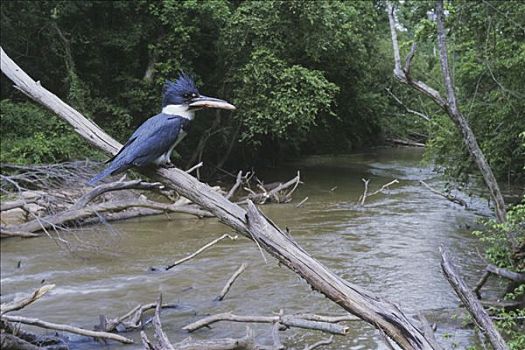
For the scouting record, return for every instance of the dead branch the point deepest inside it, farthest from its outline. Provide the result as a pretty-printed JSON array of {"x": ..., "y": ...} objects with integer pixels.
[
  {"x": 320, "y": 343},
  {"x": 277, "y": 326},
  {"x": 20, "y": 304},
  {"x": 386, "y": 340},
  {"x": 511, "y": 275},
  {"x": 195, "y": 167},
  {"x": 114, "y": 186},
  {"x": 447, "y": 196},
  {"x": 163, "y": 343},
  {"x": 45, "y": 176},
  {"x": 405, "y": 142},
  {"x": 471, "y": 303},
  {"x": 411, "y": 111},
  {"x": 329, "y": 319},
  {"x": 238, "y": 182},
  {"x": 69, "y": 216},
  {"x": 302, "y": 202},
  {"x": 161, "y": 337},
  {"x": 16, "y": 204},
  {"x": 132, "y": 320},
  {"x": 66, "y": 328},
  {"x": 8, "y": 233},
  {"x": 11, "y": 342},
  {"x": 274, "y": 194},
  {"x": 492, "y": 269},
  {"x": 200, "y": 250},
  {"x": 365, "y": 194},
  {"x": 251, "y": 223},
  {"x": 429, "y": 331},
  {"x": 286, "y": 320},
  {"x": 230, "y": 282}
]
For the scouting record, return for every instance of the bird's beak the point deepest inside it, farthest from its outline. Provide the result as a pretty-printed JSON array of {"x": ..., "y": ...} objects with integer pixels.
[{"x": 209, "y": 102}]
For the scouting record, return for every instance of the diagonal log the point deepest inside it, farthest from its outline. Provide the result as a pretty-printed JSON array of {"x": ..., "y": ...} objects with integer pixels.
[
  {"x": 472, "y": 304},
  {"x": 373, "y": 309}
]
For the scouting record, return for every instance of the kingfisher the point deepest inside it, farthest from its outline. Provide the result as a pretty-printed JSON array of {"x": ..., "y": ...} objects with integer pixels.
[{"x": 154, "y": 140}]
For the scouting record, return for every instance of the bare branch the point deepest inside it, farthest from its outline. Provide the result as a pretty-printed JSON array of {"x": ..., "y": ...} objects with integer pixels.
[
  {"x": 302, "y": 202},
  {"x": 162, "y": 338},
  {"x": 66, "y": 328},
  {"x": 400, "y": 74},
  {"x": 286, "y": 320},
  {"x": 52, "y": 221},
  {"x": 320, "y": 343},
  {"x": 230, "y": 282},
  {"x": 365, "y": 194},
  {"x": 471, "y": 303},
  {"x": 20, "y": 304},
  {"x": 419, "y": 114},
  {"x": 114, "y": 186},
  {"x": 238, "y": 182},
  {"x": 200, "y": 250},
  {"x": 447, "y": 196},
  {"x": 195, "y": 167}
]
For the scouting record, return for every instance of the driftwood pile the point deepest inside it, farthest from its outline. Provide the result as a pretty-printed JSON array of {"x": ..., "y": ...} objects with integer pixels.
[{"x": 44, "y": 200}]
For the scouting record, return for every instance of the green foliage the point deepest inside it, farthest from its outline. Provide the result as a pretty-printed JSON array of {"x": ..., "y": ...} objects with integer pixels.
[
  {"x": 486, "y": 44},
  {"x": 280, "y": 100},
  {"x": 44, "y": 140},
  {"x": 499, "y": 252},
  {"x": 288, "y": 65}
]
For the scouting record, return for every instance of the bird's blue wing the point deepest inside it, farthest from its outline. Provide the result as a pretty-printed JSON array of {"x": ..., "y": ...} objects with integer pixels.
[{"x": 152, "y": 139}]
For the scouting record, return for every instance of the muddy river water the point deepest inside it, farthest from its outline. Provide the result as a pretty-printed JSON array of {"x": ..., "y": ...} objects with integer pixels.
[{"x": 389, "y": 246}]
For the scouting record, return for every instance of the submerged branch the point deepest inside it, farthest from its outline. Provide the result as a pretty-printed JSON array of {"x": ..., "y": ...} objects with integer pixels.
[
  {"x": 230, "y": 282},
  {"x": 286, "y": 320},
  {"x": 20, "y": 304},
  {"x": 66, "y": 328},
  {"x": 447, "y": 196},
  {"x": 200, "y": 250}
]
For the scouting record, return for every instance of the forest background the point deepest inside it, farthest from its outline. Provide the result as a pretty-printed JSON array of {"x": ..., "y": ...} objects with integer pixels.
[{"x": 307, "y": 77}]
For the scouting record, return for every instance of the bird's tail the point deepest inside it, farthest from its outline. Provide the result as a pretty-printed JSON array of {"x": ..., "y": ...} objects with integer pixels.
[{"x": 110, "y": 170}]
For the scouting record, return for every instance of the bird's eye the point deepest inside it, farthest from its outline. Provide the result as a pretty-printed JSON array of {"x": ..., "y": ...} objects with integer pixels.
[{"x": 188, "y": 95}]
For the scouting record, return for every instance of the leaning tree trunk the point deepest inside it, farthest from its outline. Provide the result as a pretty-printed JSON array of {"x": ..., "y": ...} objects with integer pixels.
[
  {"x": 449, "y": 104},
  {"x": 251, "y": 223}
]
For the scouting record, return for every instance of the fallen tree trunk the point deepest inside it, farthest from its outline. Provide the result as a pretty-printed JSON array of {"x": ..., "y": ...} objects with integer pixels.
[
  {"x": 285, "y": 320},
  {"x": 373, "y": 309},
  {"x": 473, "y": 306}
]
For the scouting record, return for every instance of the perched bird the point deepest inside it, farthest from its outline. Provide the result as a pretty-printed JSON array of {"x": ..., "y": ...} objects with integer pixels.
[{"x": 155, "y": 139}]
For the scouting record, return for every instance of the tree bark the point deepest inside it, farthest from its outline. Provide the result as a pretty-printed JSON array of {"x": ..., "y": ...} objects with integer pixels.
[{"x": 373, "y": 309}]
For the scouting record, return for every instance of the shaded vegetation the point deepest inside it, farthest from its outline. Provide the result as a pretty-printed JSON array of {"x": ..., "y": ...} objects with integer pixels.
[{"x": 308, "y": 77}]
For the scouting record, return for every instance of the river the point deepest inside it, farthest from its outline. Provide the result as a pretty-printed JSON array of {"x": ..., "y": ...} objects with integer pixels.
[{"x": 389, "y": 246}]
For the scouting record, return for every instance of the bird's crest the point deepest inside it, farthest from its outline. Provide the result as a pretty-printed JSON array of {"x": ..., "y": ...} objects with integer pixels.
[{"x": 183, "y": 85}]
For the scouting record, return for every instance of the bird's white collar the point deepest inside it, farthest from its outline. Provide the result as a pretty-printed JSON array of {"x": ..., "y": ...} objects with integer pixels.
[{"x": 179, "y": 110}]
